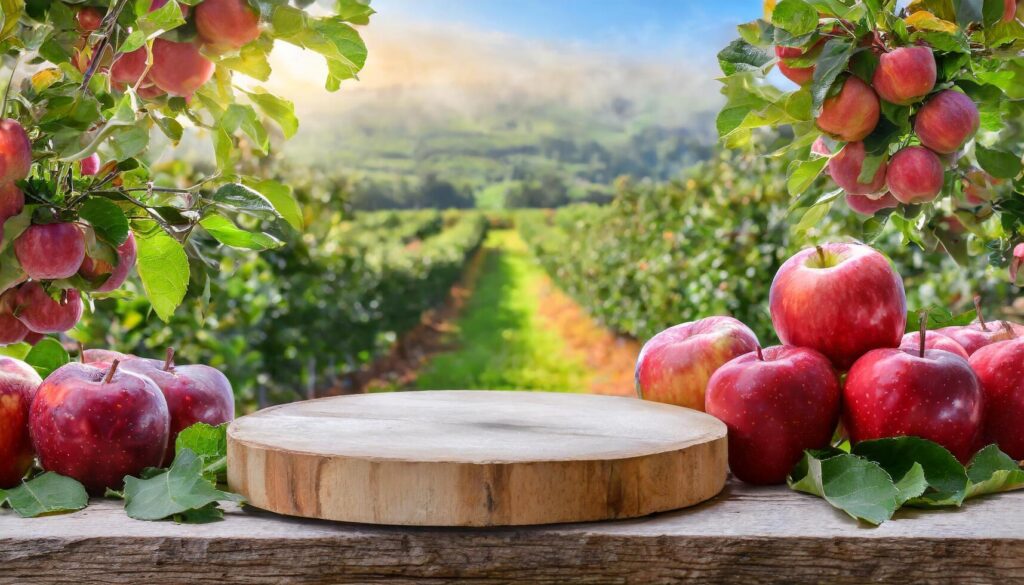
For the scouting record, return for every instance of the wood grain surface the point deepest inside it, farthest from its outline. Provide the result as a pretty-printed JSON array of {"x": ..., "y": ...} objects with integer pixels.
[
  {"x": 474, "y": 458},
  {"x": 744, "y": 535}
]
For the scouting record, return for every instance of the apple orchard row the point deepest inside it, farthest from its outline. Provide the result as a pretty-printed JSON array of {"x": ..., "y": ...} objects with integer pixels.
[
  {"x": 840, "y": 311},
  {"x": 51, "y": 249}
]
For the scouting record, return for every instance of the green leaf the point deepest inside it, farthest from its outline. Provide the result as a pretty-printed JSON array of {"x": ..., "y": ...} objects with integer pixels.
[
  {"x": 163, "y": 268},
  {"x": 992, "y": 471},
  {"x": 859, "y": 487},
  {"x": 354, "y": 11},
  {"x": 947, "y": 479},
  {"x": 49, "y": 493},
  {"x": 939, "y": 317},
  {"x": 911, "y": 485},
  {"x": 969, "y": 11},
  {"x": 107, "y": 219},
  {"x": 16, "y": 350},
  {"x": 803, "y": 173},
  {"x": 210, "y": 443},
  {"x": 998, "y": 163},
  {"x": 869, "y": 168},
  {"x": 244, "y": 118},
  {"x": 46, "y": 356},
  {"x": 834, "y": 58},
  {"x": 277, "y": 109},
  {"x": 179, "y": 490},
  {"x": 741, "y": 56},
  {"x": 238, "y": 196},
  {"x": 283, "y": 200},
  {"x": 795, "y": 16},
  {"x": 226, "y": 232}
]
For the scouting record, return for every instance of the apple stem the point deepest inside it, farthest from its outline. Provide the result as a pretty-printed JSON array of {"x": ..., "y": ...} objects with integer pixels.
[
  {"x": 923, "y": 324},
  {"x": 169, "y": 362},
  {"x": 1011, "y": 334},
  {"x": 113, "y": 370},
  {"x": 760, "y": 356},
  {"x": 977, "y": 309},
  {"x": 81, "y": 352},
  {"x": 821, "y": 255}
]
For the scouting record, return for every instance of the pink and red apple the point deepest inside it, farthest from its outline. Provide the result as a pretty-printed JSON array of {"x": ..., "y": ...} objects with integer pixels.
[
  {"x": 976, "y": 335},
  {"x": 179, "y": 68},
  {"x": 915, "y": 175},
  {"x": 89, "y": 19},
  {"x": 12, "y": 202},
  {"x": 947, "y": 121},
  {"x": 1000, "y": 370},
  {"x": 933, "y": 340},
  {"x": 227, "y": 24},
  {"x": 845, "y": 168},
  {"x": 852, "y": 114},
  {"x": 905, "y": 75},
  {"x": 92, "y": 270},
  {"x": 51, "y": 251},
  {"x": 842, "y": 300},
  {"x": 675, "y": 365},
  {"x": 776, "y": 404},
  {"x": 98, "y": 425},
  {"x": 15, "y": 152},
  {"x": 18, "y": 383},
  {"x": 865, "y": 205},
  {"x": 11, "y": 329},
  {"x": 979, "y": 187},
  {"x": 90, "y": 165},
  {"x": 41, "y": 313}
]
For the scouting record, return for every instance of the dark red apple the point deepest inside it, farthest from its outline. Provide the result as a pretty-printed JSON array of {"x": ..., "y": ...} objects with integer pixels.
[
  {"x": 675, "y": 365},
  {"x": 915, "y": 175},
  {"x": 933, "y": 340},
  {"x": 15, "y": 152},
  {"x": 851, "y": 114},
  {"x": 51, "y": 251},
  {"x": 1000, "y": 370},
  {"x": 12, "y": 202},
  {"x": 102, "y": 358},
  {"x": 18, "y": 383},
  {"x": 179, "y": 68},
  {"x": 227, "y": 24},
  {"x": 194, "y": 394},
  {"x": 976, "y": 335},
  {"x": 905, "y": 75},
  {"x": 845, "y": 168},
  {"x": 947, "y": 121},
  {"x": 42, "y": 314},
  {"x": 776, "y": 404},
  {"x": 93, "y": 270},
  {"x": 11, "y": 329},
  {"x": 98, "y": 425},
  {"x": 89, "y": 19},
  {"x": 865, "y": 205},
  {"x": 842, "y": 300}
]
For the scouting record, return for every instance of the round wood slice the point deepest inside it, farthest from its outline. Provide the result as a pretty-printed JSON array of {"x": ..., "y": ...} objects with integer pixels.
[{"x": 476, "y": 458}]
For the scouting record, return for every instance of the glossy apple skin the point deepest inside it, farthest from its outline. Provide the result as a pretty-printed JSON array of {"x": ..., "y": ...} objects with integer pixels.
[
  {"x": 194, "y": 394},
  {"x": 1000, "y": 370},
  {"x": 947, "y": 121},
  {"x": 774, "y": 409},
  {"x": 42, "y": 314},
  {"x": 102, "y": 358},
  {"x": 851, "y": 114},
  {"x": 92, "y": 270},
  {"x": 52, "y": 251},
  {"x": 864, "y": 205},
  {"x": 972, "y": 337},
  {"x": 905, "y": 75},
  {"x": 15, "y": 152},
  {"x": 915, "y": 175},
  {"x": 853, "y": 305},
  {"x": 11, "y": 329},
  {"x": 675, "y": 365},
  {"x": 179, "y": 68},
  {"x": 892, "y": 392},
  {"x": 933, "y": 340},
  {"x": 18, "y": 383},
  {"x": 98, "y": 432},
  {"x": 227, "y": 24},
  {"x": 844, "y": 168}
]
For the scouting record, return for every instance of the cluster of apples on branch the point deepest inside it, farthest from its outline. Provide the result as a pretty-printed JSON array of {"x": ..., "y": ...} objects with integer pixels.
[
  {"x": 108, "y": 416},
  {"x": 840, "y": 311}
]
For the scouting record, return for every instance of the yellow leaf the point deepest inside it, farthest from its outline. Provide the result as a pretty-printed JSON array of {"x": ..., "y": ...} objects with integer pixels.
[
  {"x": 45, "y": 78},
  {"x": 924, "y": 20},
  {"x": 769, "y": 8}
]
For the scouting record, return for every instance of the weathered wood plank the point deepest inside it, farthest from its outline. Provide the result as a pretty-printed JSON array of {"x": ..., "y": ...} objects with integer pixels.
[{"x": 746, "y": 535}]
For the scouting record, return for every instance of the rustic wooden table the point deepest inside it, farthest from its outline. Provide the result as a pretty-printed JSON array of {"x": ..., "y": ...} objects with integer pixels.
[{"x": 745, "y": 535}]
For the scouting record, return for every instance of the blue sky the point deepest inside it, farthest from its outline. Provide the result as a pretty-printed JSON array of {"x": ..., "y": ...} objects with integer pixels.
[{"x": 643, "y": 26}]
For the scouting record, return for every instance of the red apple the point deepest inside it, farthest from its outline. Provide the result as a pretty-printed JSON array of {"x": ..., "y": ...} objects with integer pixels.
[
  {"x": 865, "y": 205},
  {"x": 845, "y": 169},
  {"x": 915, "y": 175},
  {"x": 776, "y": 404},
  {"x": 1009, "y": 10},
  {"x": 51, "y": 251},
  {"x": 98, "y": 425},
  {"x": 93, "y": 270},
  {"x": 798, "y": 75},
  {"x": 15, "y": 152},
  {"x": 90, "y": 165},
  {"x": 227, "y": 24},
  {"x": 42, "y": 314},
  {"x": 33, "y": 338},
  {"x": 104, "y": 357},
  {"x": 1000, "y": 370},
  {"x": 194, "y": 394},
  {"x": 947, "y": 121},
  {"x": 979, "y": 187},
  {"x": 976, "y": 335},
  {"x": 179, "y": 68},
  {"x": 12, "y": 202},
  {"x": 675, "y": 365},
  {"x": 1016, "y": 261},
  {"x": 89, "y": 19},
  {"x": 11, "y": 329},
  {"x": 852, "y": 114},
  {"x": 842, "y": 300},
  {"x": 18, "y": 383},
  {"x": 905, "y": 75},
  {"x": 128, "y": 67},
  {"x": 933, "y": 395},
  {"x": 933, "y": 340}
]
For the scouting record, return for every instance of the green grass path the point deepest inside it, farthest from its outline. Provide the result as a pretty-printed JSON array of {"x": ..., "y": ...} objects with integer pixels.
[{"x": 502, "y": 345}]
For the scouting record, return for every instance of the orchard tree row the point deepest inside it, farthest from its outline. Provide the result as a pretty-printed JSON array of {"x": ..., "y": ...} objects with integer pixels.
[
  {"x": 915, "y": 113},
  {"x": 88, "y": 83}
]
